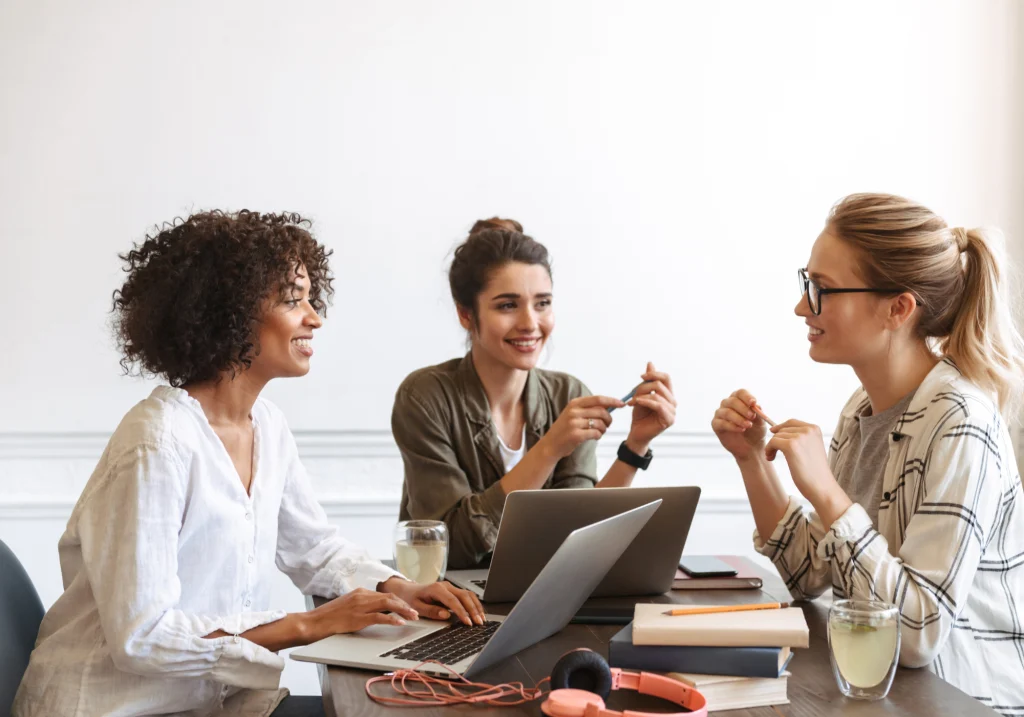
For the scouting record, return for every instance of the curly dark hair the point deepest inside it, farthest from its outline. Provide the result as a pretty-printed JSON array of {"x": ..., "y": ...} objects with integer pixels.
[{"x": 195, "y": 289}]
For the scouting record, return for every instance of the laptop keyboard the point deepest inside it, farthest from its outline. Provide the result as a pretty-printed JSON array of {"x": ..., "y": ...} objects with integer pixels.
[{"x": 447, "y": 646}]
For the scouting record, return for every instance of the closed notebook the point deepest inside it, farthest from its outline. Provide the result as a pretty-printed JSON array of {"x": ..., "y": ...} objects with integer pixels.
[
  {"x": 737, "y": 693},
  {"x": 783, "y": 627},
  {"x": 746, "y": 577},
  {"x": 734, "y": 661}
]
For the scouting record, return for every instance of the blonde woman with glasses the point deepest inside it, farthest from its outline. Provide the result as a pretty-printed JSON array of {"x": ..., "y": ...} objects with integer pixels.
[{"x": 917, "y": 501}]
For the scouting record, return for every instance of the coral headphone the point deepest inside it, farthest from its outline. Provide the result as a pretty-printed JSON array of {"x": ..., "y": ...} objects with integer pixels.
[{"x": 581, "y": 681}]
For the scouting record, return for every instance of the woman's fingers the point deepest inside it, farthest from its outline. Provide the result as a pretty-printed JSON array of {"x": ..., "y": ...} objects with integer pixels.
[
  {"x": 740, "y": 408},
  {"x": 596, "y": 401},
  {"x": 778, "y": 444},
  {"x": 443, "y": 595},
  {"x": 660, "y": 405},
  {"x": 590, "y": 428},
  {"x": 596, "y": 413},
  {"x": 651, "y": 374},
  {"x": 731, "y": 416},
  {"x": 379, "y": 618},
  {"x": 719, "y": 425},
  {"x": 472, "y": 604},
  {"x": 745, "y": 396},
  {"x": 389, "y": 601},
  {"x": 656, "y": 387}
]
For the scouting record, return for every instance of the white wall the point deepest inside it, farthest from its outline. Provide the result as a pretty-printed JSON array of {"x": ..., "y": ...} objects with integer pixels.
[{"x": 677, "y": 159}]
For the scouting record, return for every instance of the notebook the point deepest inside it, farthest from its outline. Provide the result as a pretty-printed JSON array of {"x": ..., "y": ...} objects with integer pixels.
[
  {"x": 736, "y": 693},
  {"x": 732, "y": 661},
  {"x": 746, "y": 577},
  {"x": 783, "y": 627}
]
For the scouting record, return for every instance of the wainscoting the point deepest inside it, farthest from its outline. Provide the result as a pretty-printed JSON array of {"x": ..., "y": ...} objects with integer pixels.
[{"x": 358, "y": 476}]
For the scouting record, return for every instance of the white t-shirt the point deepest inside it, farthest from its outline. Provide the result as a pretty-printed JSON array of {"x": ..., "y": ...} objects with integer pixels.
[
  {"x": 511, "y": 457},
  {"x": 163, "y": 547}
]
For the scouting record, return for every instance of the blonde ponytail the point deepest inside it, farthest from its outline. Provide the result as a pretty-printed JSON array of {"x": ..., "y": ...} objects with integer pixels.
[
  {"x": 958, "y": 278},
  {"x": 983, "y": 342}
]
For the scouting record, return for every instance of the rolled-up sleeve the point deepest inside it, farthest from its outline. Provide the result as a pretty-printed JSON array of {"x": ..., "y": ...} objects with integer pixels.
[
  {"x": 129, "y": 538},
  {"x": 793, "y": 548},
  {"x": 579, "y": 468},
  {"x": 312, "y": 552},
  {"x": 931, "y": 576}
]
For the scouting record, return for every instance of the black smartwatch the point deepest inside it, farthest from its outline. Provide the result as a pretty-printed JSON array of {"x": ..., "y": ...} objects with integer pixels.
[{"x": 632, "y": 459}]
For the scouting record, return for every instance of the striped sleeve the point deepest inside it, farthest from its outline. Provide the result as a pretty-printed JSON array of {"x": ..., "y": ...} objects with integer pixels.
[
  {"x": 793, "y": 549},
  {"x": 959, "y": 507}
]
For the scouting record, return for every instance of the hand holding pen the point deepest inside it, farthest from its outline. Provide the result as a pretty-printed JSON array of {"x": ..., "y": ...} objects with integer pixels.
[
  {"x": 654, "y": 408},
  {"x": 741, "y": 425}
]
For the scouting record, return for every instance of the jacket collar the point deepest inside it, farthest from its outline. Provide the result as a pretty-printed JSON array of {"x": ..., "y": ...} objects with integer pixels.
[
  {"x": 478, "y": 411},
  {"x": 911, "y": 422}
]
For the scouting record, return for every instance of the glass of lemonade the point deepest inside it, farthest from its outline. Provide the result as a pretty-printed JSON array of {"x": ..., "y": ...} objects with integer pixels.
[
  {"x": 864, "y": 643},
  {"x": 421, "y": 550}
]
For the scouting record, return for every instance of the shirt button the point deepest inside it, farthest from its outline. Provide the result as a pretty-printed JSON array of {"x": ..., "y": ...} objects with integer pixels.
[
  {"x": 248, "y": 603},
  {"x": 248, "y": 516},
  {"x": 251, "y": 558}
]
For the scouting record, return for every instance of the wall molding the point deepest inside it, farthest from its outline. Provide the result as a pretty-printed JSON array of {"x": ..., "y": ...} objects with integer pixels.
[
  {"x": 321, "y": 444},
  {"x": 60, "y": 461},
  {"x": 30, "y": 507}
]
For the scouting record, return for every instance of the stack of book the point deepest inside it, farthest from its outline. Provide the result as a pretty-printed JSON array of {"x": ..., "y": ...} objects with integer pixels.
[{"x": 735, "y": 659}]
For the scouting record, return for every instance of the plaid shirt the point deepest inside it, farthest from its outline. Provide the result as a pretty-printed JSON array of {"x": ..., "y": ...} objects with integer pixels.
[{"x": 949, "y": 548}]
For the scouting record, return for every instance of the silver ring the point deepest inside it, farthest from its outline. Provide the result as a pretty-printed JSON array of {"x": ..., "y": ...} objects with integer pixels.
[{"x": 590, "y": 423}]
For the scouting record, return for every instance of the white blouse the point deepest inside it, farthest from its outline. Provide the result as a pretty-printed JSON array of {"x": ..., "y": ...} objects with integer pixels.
[{"x": 163, "y": 547}]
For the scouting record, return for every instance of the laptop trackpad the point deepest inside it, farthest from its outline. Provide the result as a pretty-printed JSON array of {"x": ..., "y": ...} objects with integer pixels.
[
  {"x": 381, "y": 637},
  {"x": 394, "y": 633}
]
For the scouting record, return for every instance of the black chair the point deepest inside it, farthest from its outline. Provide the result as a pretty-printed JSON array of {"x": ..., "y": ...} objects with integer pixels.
[{"x": 21, "y": 612}]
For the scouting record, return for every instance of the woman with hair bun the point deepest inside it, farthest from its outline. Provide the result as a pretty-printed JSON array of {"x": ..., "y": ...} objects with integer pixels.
[{"x": 474, "y": 429}]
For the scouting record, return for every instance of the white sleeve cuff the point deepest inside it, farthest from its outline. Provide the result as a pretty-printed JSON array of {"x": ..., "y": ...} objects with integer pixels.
[
  {"x": 368, "y": 574},
  {"x": 240, "y": 662},
  {"x": 241, "y": 622}
]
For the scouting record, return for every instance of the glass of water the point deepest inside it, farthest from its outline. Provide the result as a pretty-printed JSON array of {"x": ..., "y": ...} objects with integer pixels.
[
  {"x": 864, "y": 643},
  {"x": 421, "y": 550}
]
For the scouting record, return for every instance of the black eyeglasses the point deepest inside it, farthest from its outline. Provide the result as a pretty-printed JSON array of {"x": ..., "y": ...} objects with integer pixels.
[{"x": 814, "y": 292}]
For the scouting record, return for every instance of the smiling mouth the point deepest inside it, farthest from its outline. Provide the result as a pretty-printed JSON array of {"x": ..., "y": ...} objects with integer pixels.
[
  {"x": 525, "y": 345},
  {"x": 304, "y": 346}
]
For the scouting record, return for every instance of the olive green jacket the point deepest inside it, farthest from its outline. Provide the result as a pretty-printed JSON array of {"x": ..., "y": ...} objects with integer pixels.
[{"x": 442, "y": 423}]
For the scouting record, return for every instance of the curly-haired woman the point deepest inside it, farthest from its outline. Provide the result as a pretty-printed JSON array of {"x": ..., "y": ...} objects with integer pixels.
[{"x": 200, "y": 495}]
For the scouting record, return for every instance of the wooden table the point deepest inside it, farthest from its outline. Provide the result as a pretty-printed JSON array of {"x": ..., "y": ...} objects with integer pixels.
[{"x": 812, "y": 689}]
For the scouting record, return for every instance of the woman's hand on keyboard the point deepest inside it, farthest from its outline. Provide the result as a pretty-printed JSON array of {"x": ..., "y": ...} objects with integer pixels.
[
  {"x": 355, "y": 610},
  {"x": 438, "y": 600}
]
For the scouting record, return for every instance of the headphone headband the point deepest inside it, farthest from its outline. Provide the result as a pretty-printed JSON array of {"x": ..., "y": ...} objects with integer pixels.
[{"x": 564, "y": 701}]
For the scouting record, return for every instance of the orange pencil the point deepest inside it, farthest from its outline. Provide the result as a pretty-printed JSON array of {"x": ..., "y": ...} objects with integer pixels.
[
  {"x": 726, "y": 608},
  {"x": 757, "y": 409}
]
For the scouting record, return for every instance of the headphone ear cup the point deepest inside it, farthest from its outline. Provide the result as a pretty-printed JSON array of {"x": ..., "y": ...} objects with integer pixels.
[{"x": 582, "y": 670}]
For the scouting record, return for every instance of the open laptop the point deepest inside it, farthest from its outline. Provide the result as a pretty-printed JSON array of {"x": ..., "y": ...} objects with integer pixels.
[
  {"x": 535, "y": 522},
  {"x": 545, "y": 608}
]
